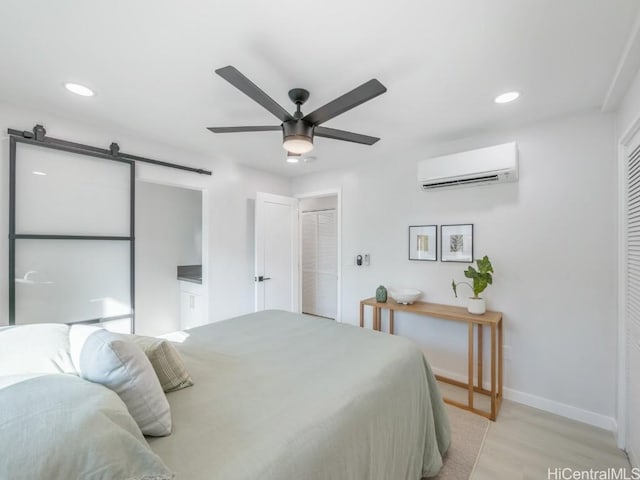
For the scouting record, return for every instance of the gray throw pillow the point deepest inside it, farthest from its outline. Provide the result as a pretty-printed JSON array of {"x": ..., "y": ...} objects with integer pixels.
[{"x": 166, "y": 362}]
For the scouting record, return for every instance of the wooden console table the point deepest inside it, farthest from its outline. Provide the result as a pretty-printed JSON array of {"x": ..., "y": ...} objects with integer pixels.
[{"x": 493, "y": 320}]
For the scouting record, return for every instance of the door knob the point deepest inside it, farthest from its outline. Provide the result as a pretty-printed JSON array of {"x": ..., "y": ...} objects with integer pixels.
[{"x": 261, "y": 278}]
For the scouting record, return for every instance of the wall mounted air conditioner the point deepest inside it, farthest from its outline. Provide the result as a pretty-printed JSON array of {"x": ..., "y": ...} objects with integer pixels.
[{"x": 497, "y": 164}]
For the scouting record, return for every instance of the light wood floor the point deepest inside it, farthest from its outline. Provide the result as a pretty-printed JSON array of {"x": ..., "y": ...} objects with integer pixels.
[{"x": 524, "y": 442}]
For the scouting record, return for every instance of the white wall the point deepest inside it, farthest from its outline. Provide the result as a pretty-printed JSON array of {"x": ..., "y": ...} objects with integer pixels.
[
  {"x": 551, "y": 238},
  {"x": 228, "y": 206},
  {"x": 168, "y": 234},
  {"x": 629, "y": 108}
]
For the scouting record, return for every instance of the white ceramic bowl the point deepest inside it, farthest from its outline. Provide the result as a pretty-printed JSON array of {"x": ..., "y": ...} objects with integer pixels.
[{"x": 405, "y": 295}]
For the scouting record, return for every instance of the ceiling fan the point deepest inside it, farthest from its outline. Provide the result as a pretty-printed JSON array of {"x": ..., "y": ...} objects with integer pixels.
[{"x": 298, "y": 130}]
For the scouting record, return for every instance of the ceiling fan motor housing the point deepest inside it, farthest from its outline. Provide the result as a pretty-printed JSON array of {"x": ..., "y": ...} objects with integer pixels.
[{"x": 297, "y": 130}]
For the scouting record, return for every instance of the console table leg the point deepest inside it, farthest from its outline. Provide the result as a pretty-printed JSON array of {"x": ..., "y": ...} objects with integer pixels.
[
  {"x": 391, "y": 321},
  {"x": 500, "y": 360},
  {"x": 361, "y": 315},
  {"x": 480, "y": 354},
  {"x": 470, "y": 382},
  {"x": 493, "y": 372}
]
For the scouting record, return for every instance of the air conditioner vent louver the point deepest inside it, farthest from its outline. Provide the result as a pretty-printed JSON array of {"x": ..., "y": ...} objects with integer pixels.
[
  {"x": 466, "y": 181},
  {"x": 490, "y": 165}
]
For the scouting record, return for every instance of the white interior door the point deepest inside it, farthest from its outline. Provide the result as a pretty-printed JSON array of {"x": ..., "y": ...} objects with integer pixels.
[
  {"x": 276, "y": 252},
  {"x": 319, "y": 263}
]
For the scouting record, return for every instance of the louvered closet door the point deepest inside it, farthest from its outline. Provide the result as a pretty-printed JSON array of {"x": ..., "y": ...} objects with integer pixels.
[
  {"x": 633, "y": 298},
  {"x": 319, "y": 263},
  {"x": 309, "y": 250}
]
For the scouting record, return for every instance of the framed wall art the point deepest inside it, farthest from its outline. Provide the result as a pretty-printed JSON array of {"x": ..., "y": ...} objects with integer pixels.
[
  {"x": 423, "y": 242},
  {"x": 456, "y": 243}
]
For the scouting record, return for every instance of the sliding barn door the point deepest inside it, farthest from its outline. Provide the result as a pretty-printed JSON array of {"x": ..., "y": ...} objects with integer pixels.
[
  {"x": 632, "y": 310},
  {"x": 319, "y": 263},
  {"x": 71, "y": 237}
]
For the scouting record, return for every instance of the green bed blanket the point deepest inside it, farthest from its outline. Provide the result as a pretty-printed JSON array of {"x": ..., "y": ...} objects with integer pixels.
[{"x": 284, "y": 396}]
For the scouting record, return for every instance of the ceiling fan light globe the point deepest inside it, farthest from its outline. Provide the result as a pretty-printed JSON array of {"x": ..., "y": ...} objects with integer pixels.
[{"x": 297, "y": 144}]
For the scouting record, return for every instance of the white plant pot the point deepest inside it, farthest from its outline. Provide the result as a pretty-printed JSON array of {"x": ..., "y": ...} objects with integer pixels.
[{"x": 476, "y": 306}]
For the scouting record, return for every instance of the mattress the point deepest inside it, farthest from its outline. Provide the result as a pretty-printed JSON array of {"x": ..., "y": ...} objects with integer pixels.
[{"x": 279, "y": 395}]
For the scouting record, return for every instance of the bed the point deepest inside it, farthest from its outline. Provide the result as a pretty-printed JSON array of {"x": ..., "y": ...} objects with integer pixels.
[
  {"x": 274, "y": 396},
  {"x": 279, "y": 395}
]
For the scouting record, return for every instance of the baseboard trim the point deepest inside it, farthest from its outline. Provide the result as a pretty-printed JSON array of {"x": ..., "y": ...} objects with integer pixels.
[
  {"x": 562, "y": 409},
  {"x": 548, "y": 405}
]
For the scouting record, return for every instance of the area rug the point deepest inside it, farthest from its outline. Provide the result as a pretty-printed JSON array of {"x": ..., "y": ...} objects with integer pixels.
[{"x": 468, "y": 432}]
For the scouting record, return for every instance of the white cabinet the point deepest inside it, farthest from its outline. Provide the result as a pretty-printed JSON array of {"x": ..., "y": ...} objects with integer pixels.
[{"x": 192, "y": 307}]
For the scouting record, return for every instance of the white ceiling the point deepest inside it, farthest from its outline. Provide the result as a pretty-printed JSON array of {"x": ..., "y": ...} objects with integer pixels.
[{"x": 151, "y": 63}]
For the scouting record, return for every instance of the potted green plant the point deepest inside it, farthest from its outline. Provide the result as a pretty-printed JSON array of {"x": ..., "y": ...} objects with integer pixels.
[{"x": 481, "y": 278}]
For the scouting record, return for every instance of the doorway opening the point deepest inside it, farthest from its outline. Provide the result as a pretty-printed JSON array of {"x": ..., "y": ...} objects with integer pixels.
[
  {"x": 171, "y": 293},
  {"x": 320, "y": 254}
]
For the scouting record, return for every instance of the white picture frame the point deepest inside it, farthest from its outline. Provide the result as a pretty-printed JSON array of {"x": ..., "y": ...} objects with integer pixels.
[{"x": 456, "y": 243}]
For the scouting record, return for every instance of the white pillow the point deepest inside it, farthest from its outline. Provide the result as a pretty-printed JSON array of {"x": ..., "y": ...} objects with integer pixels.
[
  {"x": 104, "y": 357},
  {"x": 37, "y": 348}
]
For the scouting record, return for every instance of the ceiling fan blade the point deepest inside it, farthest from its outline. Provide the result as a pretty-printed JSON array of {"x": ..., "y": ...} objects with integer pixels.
[
  {"x": 246, "y": 86},
  {"x": 344, "y": 135},
  {"x": 355, "y": 97},
  {"x": 266, "y": 128}
]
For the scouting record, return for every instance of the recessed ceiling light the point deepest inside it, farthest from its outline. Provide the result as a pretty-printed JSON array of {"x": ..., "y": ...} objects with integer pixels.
[
  {"x": 507, "y": 97},
  {"x": 35, "y": 172},
  {"x": 79, "y": 89}
]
